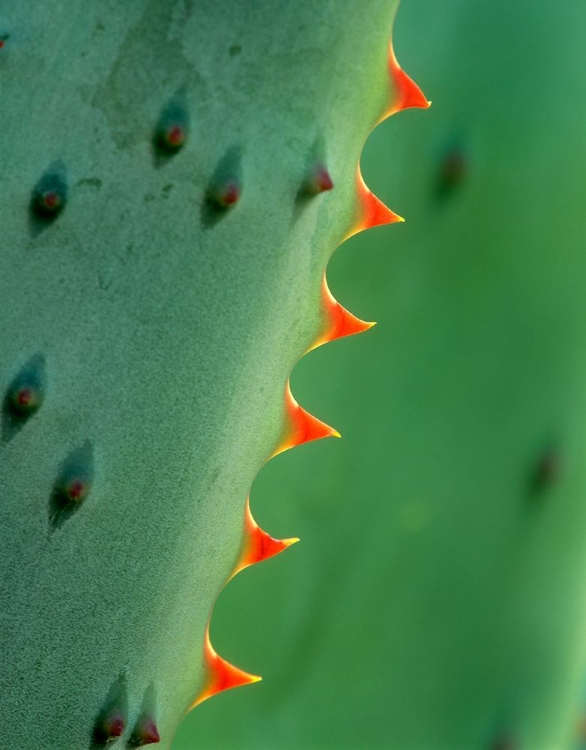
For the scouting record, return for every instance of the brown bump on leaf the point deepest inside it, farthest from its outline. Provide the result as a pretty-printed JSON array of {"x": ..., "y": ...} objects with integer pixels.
[
  {"x": 110, "y": 722},
  {"x": 145, "y": 732},
  {"x": 72, "y": 486},
  {"x": 24, "y": 396},
  {"x": 224, "y": 190},
  {"x": 50, "y": 193},
  {"x": 317, "y": 181},
  {"x": 226, "y": 195},
  {"x": 112, "y": 726},
  {"x": 172, "y": 128}
]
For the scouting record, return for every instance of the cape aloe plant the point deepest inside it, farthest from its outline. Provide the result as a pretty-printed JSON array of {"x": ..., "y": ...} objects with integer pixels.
[
  {"x": 174, "y": 177},
  {"x": 439, "y": 600}
]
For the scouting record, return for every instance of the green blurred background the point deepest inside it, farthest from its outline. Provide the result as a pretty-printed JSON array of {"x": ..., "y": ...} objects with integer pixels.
[{"x": 437, "y": 598}]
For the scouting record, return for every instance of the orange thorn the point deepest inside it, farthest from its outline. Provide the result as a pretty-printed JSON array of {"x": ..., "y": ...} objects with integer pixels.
[
  {"x": 221, "y": 675},
  {"x": 302, "y": 427},
  {"x": 258, "y": 545},
  {"x": 372, "y": 211},
  {"x": 339, "y": 321},
  {"x": 406, "y": 93}
]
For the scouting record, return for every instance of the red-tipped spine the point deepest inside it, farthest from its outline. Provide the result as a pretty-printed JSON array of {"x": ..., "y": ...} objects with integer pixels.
[
  {"x": 406, "y": 93},
  {"x": 372, "y": 212},
  {"x": 301, "y": 426},
  {"x": 339, "y": 322},
  {"x": 258, "y": 545},
  {"x": 220, "y": 674}
]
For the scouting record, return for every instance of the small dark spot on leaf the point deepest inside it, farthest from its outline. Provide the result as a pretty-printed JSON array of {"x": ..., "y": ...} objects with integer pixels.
[{"x": 93, "y": 182}]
